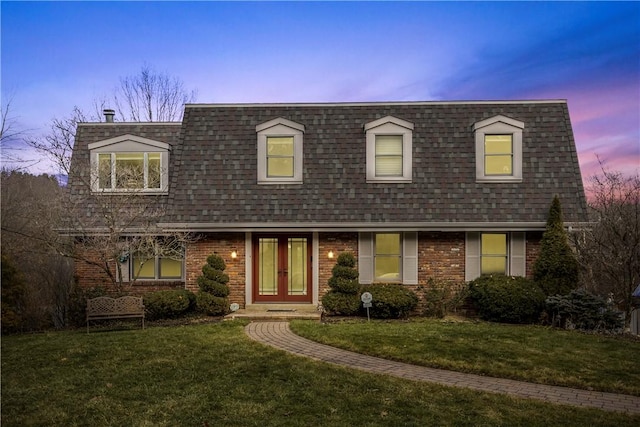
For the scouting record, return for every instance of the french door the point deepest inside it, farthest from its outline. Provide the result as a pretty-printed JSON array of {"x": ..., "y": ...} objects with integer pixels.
[{"x": 282, "y": 268}]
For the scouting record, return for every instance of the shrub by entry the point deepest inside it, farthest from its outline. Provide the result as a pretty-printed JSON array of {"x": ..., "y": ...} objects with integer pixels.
[
  {"x": 391, "y": 301},
  {"x": 168, "y": 304},
  {"x": 343, "y": 298},
  {"x": 212, "y": 297}
]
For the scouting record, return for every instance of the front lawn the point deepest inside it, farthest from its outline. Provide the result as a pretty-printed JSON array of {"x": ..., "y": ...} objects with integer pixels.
[
  {"x": 213, "y": 375},
  {"x": 529, "y": 353}
]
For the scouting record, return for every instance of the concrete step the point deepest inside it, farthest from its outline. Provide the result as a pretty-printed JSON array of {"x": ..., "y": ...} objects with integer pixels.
[{"x": 276, "y": 312}]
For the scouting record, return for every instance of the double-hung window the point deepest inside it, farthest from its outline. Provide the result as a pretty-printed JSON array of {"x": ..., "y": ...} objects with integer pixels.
[
  {"x": 390, "y": 257},
  {"x": 389, "y": 150},
  {"x": 495, "y": 252},
  {"x": 280, "y": 152},
  {"x": 129, "y": 163},
  {"x": 498, "y": 144}
]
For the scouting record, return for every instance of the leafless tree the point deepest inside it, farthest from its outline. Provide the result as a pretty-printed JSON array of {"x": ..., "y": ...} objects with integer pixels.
[
  {"x": 151, "y": 96},
  {"x": 609, "y": 250}
]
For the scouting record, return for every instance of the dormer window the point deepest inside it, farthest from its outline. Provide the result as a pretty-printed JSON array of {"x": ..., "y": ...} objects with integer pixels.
[
  {"x": 389, "y": 150},
  {"x": 129, "y": 163},
  {"x": 498, "y": 143},
  {"x": 280, "y": 152}
]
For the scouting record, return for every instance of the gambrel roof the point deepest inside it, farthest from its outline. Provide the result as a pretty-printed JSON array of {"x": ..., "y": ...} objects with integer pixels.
[{"x": 213, "y": 167}]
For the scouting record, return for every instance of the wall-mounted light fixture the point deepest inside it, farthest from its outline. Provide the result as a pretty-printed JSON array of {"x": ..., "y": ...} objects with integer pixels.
[
  {"x": 234, "y": 255},
  {"x": 330, "y": 254}
]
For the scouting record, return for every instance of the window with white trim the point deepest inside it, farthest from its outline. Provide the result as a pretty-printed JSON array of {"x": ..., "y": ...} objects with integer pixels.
[
  {"x": 280, "y": 152},
  {"x": 498, "y": 143},
  {"x": 494, "y": 252},
  {"x": 389, "y": 143},
  {"x": 390, "y": 257},
  {"x": 129, "y": 163}
]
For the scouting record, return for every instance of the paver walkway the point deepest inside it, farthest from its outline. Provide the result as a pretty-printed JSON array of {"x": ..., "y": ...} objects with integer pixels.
[{"x": 278, "y": 334}]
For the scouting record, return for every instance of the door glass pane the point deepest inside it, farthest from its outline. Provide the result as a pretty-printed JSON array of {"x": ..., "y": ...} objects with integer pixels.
[
  {"x": 129, "y": 170},
  {"x": 494, "y": 253},
  {"x": 268, "y": 266},
  {"x": 297, "y": 277}
]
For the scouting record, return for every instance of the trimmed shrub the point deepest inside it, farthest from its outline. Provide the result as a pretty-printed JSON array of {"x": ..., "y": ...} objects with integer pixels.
[
  {"x": 341, "y": 304},
  {"x": 442, "y": 297},
  {"x": 556, "y": 268},
  {"x": 583, "y": 310},
  {"x": 391, "y": 301},
  {"x": 169, "y": 304},
  {"x": 344, "y": 272},
  {"x": 345, "y": 286},
  {"x": 508, "y": 299},
  {"x": 211, "y": 305},
  {"x": 346, "y": 259},
  {"x": 344, "y": 277},
  {"x": 212, "y": 297}
]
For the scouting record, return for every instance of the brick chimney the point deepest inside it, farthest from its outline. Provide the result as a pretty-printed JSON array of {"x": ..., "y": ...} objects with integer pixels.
[{"x": 108, "y": 115}]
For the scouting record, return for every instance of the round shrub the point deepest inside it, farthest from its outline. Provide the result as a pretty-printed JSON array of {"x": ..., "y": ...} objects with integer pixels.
[
  {"x": 211, "y": 305},
  {"x": 216, "y": 262},
  {"x": 391, "y": 301},
  {"x": 168, "y": 304},
  {"x": 214, "y": 288},
  {"x": 341, "y": 304},
  {"x": 344, "y": 272},
  {"x": 346, "y": 259},
  {"x": 345, "y": 286},
  {"x": 215, "y": 275},
  {"x": 508, "y": 299}
]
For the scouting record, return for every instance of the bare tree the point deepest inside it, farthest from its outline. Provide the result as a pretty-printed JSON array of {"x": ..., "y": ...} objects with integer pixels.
[
  {"x": 609, "y": 250},
  {"x": 11, "y": 138},
  {"x": 151, "y": 96}
]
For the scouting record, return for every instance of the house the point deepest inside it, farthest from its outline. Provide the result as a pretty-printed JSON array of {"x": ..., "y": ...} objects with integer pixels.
[{"x": 416, "y": 190}]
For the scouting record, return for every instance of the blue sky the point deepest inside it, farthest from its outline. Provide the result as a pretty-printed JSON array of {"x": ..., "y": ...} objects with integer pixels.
[{"x": 56, "y": 55}]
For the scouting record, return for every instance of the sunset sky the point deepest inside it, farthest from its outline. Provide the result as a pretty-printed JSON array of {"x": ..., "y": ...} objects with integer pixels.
[{"x": 57, "y": 55}]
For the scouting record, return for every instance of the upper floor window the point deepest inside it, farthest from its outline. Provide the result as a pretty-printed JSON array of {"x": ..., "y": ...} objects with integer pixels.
[
  {"x": 498, "y": 143},
  {"x": 389, "y": 150},
  {"x": 129, "y": 163},
  {"x": 280, "y": 152}
]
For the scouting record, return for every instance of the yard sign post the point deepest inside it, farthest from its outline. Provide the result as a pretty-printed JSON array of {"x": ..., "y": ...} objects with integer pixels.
[{"x": 366, "y": 302}]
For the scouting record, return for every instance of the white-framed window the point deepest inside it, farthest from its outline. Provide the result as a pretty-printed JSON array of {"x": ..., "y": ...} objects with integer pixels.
[
  {"x": 280, "y": 152},
  {"x": 388, "y": 257},
  {"x": 494, "y": 252},
  {"x": 498, "y": 144},
  {"x": 129, "y": 163},
  {"x": 389, "y": 142},
  {"x": 156, "y": 268}
]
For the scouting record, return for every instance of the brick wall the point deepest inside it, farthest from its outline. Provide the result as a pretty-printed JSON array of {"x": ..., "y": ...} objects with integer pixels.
[
  {"x": 338, "y": 243},
  {"x": 533, "y": 250},
  {"x": 222, "y": 244},
  {"x": 441, "y": 256}
]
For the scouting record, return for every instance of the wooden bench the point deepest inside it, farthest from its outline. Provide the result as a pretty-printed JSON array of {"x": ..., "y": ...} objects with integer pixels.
[{"x": 103, "y": 308}]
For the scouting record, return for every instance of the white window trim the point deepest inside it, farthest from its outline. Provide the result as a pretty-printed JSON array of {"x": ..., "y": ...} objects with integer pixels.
[
  {"x": 389, "y": 126},
  {"x": 499, "y": 125},
  {"x": 280, "y": 127},
  {"x": 129, "y": 144}
]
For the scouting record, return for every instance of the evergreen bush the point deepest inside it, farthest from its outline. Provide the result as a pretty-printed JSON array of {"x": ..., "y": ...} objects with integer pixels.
[
  {"x": 212, "y": 296},
  {"x": 391, "y": 301},
  {"x": 508, "y": 299},
  {"x": 556, "y": 268},
  {"x": 343, "y": 298},
  {"x": 169, "y": 304},
  {"x": 582, "y": 310}
]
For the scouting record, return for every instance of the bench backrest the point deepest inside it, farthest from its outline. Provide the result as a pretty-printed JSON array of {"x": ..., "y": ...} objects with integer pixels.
[{"x": 108, "y": 305}]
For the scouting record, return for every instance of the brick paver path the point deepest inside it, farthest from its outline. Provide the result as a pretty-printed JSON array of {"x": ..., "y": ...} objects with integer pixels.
[{"x": 278, "y": 334}]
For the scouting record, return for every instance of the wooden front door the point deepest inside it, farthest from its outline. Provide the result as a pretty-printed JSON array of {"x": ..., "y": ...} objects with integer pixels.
[{"x": 282, "y": 268}]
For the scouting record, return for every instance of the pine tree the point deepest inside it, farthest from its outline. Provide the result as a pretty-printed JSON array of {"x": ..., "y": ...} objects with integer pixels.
[{"x": 556, "y": 268}]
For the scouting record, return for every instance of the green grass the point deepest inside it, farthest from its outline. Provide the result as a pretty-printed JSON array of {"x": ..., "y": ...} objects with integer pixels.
[
  {"x": 530, "y": 353},
  {"x": 213, "y": 374}
]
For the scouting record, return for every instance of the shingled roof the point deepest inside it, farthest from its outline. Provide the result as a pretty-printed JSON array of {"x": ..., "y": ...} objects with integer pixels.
[{"x": 213, "y": 177}]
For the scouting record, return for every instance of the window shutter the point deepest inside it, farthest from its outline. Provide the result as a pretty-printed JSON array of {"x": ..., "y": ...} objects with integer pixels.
[
  {"x": 518, "y": 255},
  {"x": 410, "y": 258},
  {"x": 124, "y": 270},
  {"x": 472, "y": 256},
  {"x": 365, "y": 257}
]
